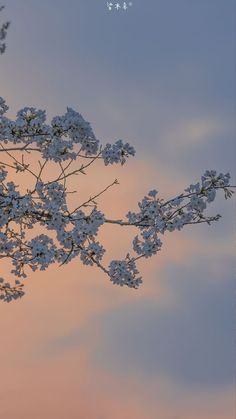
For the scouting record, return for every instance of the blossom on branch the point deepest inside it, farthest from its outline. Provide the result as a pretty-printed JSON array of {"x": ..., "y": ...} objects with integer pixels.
[{"x": 69, "y": 233}]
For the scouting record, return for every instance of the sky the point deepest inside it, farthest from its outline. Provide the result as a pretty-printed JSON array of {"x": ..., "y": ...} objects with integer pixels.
[{"x": 160, "y": 75}]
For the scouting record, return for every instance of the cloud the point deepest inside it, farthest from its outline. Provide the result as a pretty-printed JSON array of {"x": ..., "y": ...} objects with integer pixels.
[
  {"x": 194, "y": 131},
  {"x": 190, "y": 341}
]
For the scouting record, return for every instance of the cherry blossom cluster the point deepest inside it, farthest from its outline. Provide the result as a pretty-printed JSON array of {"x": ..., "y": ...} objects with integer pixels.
[
  {"x": 3, "y": 34},
  {"x": 118, "y": 152},
  {"x": 156, "y": 216},
  {"x": 10, "y": 293},
  {"x": 125, "y": 272},
  {"x": 67, "y": 233},
  {"x": 58, "y": 141}
]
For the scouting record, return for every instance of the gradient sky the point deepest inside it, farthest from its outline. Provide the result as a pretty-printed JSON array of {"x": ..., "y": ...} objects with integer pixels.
[{"x": 161, "y": 76}]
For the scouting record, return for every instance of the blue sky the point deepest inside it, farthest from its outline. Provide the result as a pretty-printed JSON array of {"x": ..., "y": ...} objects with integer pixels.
[{"x": 150, "y": 74}]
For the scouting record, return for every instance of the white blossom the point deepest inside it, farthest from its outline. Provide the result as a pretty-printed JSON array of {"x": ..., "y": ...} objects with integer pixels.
[
  {"x": 117, "y": 153},
  {"x": 124, "y": 272},
  {"x": 67, "y": 234},
  {"x": 3, "y": 32}
]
